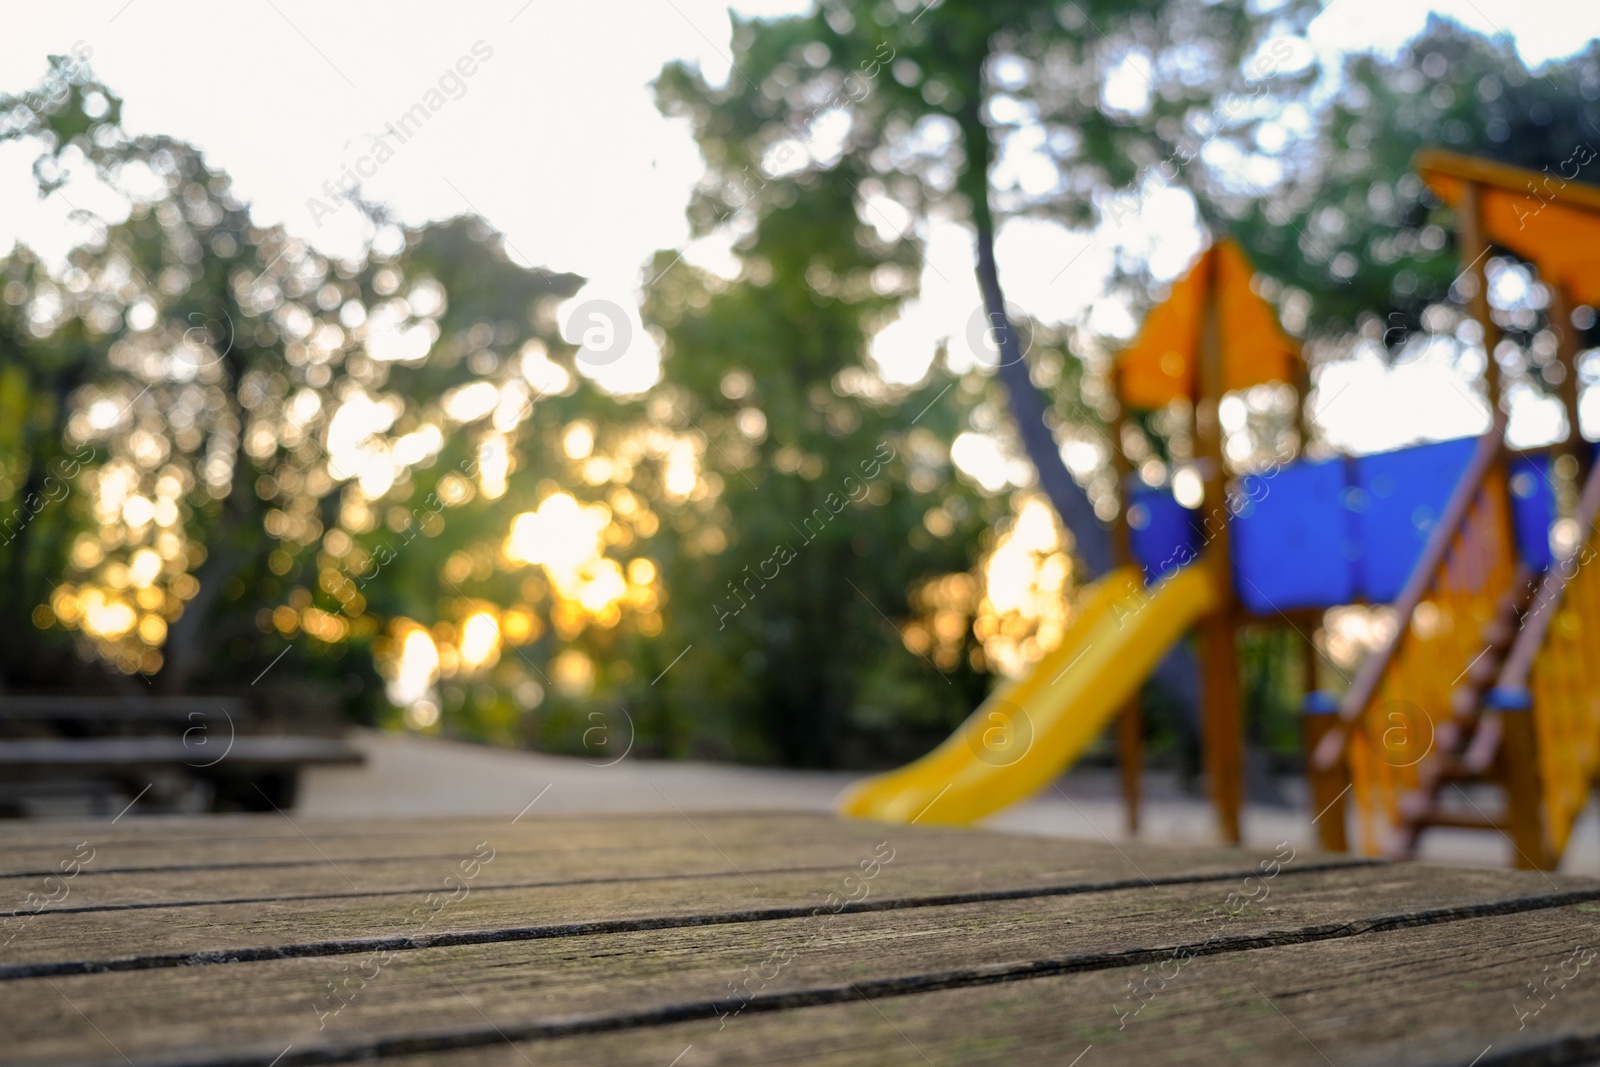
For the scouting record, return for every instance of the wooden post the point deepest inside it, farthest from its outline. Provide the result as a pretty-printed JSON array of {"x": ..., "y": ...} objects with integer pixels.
[
  {"x": 1130, "y": 738},
  {"x": 1222, "y": 730},
  {"x": 1519, "y": 753},
  {"x": 1329, "y": 788},
  {"x": 1519, "y": 771},
  {"x": 1308, "y": 637},
  {"x": 1475, "y": 254},
  {"x": 1567, "y": 356},
  {"x": 1130, "y": 759},
  {"x": 1121, "y": 535},
  {"x": 1302, "y": 390}
]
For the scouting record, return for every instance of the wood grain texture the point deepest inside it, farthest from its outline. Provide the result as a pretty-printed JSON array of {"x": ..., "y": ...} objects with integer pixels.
[
  {"x": 1431, "y": 995},
  {"x": 547, "y": 981},
  {"x": 258, "y": 863},
  {"x": 268, "y": 840},
  {"x": 626, "y": 939}
]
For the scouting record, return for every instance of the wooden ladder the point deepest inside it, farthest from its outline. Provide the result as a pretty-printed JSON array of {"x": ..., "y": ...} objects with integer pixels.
[
  {"x": 1539, "y": 731},
  {"x": 1523, "y": 713},
  {"x": 1411, "y": 721},
  {"x": 1470, "y": 748}
]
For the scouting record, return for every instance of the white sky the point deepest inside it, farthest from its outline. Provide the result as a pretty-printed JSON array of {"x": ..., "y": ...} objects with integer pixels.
[{"x": 556, "y": 139}]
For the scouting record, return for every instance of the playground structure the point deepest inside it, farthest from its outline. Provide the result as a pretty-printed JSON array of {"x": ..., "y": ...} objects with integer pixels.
[{"x": 1491, "y": 674}]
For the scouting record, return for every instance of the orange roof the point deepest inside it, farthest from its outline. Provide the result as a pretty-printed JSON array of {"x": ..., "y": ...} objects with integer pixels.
[
  {"x": 1160, "y": 364},
  {"x": 1541, "y": 216}
]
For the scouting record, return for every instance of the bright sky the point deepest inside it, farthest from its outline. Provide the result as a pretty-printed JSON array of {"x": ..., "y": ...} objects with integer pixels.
[{"x": 554, "y": 136}]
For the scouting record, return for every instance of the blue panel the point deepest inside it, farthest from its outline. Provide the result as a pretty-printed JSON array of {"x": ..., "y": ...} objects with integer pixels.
[
  {"x": 1514, "y": 699},
  {"x": 1533, "y": 509},
  {"x": 1397, "y": 498},
  {"x": 1162, "y": 532},
  {"x": 1293, "y": 545},
  {"x": 1320, "y": 702}
]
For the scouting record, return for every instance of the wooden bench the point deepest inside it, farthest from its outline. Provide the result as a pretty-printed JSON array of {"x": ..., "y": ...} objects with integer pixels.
[
  {"x": 65, "y": 744},
  {"x": 102, "y": 710},
  {"x": 136, "y": 752},
  {"x": 680, "y": 940}
]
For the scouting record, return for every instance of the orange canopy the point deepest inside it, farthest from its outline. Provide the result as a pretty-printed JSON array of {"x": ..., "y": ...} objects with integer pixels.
[
  {"x": 1160, "y": 364},
  {"x": 1544, "y": 217}
]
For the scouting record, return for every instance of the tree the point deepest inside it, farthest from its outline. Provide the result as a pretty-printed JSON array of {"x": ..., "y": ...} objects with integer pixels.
[
  {"x": 815, "y": 533},
  {"x": 222, "y": 421},
  {"x": 932, "y": 98},
  {"x": 399, "y": 465},
  {"x": 1366, "y": 253}
]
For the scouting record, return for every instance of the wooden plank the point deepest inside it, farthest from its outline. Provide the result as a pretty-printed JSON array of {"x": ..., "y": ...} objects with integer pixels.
[
  {"x": 53, "y": 756},
  {"x": 56, "y": 942},
  {"x": 318, "y": 878},
  {"x": 515, "y": 892},
  {"x": 472, "y": 993},
  {"x": 77, "y": 707},
  {"x": 266, "y": 841},
  {"x": 274, "y": 839},
  {"x": 169, "y": 830},
  {"x": 1007, "y": 861},
  {"x": 1477, "y": 170},
  {"x": 178, "y": 830},
  {"x": 1450, "y": 993}
]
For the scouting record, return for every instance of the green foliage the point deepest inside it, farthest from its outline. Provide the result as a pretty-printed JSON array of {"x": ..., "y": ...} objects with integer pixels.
[
  {"x": 308, "y": 423},
  {"x": 200, "y": 359},
  {"x": 826, "y": 473},
  {"x": 1269, "y": 662},
  {"x": 942, "y": 102},
  {"x": 1356, "y": 234}
]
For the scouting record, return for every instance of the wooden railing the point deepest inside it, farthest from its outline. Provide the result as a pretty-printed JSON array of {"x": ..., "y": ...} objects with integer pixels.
[
  {"x": 1391, "y": 715},
  {"x": 1553, "y": 670}
]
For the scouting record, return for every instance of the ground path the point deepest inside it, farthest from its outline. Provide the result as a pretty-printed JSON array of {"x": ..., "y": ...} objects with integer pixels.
[{"x": 410, "y": 776}]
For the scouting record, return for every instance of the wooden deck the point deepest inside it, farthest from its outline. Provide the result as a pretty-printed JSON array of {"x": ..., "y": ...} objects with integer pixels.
[{"x": 693, "y": 939}]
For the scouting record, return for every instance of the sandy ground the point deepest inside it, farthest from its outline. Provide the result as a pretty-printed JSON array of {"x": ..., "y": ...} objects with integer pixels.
[{"x": 409, "y": 776}]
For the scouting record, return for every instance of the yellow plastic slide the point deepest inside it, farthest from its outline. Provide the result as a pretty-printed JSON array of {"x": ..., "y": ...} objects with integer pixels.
[{"x": 1029, "y": 730}]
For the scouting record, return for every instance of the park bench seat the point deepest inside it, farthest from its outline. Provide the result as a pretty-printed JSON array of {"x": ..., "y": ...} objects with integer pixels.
[
  {"x": 121, "y": 752},
  {"x": 176, "y": 753}
]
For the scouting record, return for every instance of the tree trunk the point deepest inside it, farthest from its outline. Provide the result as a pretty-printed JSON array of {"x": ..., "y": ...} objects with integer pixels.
[
  {"x": 194, "y": 633},
  {"x": 191, "y": 634},
  {"x": 1178, "y": 669},
  {"x": 1093, "y": 545}
]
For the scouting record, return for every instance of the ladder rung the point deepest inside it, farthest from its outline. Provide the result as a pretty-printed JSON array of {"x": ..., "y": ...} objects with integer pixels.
[
  {"x": 1459, "y": 769},
  {"x": 1461, "y": 820}
]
